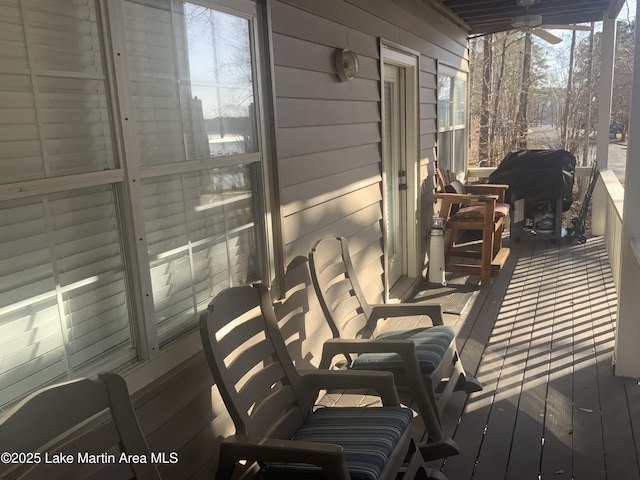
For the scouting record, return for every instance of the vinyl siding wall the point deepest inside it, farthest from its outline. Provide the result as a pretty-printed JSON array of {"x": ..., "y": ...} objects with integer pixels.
[{"x": 329, "y": 132}]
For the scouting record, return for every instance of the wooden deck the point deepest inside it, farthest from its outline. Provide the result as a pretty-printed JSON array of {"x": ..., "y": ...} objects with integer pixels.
[{"x": 541, "y": 341}]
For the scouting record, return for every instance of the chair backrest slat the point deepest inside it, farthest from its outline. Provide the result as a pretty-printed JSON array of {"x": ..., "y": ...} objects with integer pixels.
[
  {"x": 263, "y": 380},
  {"x": 27, "y": 417},
  {"x": 278, "y": 414},
  {"x": 229, "y": 339},
  {"x": 253, "y": 356},
  {"x": 253, "y": 369},
  {"x": 348, "y": 317},
  {"x": 352, "y": 321},
  {"x": 339, "y": 291}
]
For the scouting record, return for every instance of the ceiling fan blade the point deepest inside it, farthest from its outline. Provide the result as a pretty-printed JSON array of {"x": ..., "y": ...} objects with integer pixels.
[
  {"x": 582, "y": 28},
  {"x": 546, "y": 36}
]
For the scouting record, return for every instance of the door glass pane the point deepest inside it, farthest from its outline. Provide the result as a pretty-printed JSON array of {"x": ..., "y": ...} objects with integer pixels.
[
  {"x": 192, "y": 81},
  {"x": 390, "y": 217}
]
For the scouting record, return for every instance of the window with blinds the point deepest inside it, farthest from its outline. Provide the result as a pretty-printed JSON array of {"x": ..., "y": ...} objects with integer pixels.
[
  {"x": 63, "y": 293},
  {"x": 70, "y": 272},
  {"x": 202, "y": 239},
  {"x": 452, "y": 119},
  {"x": 191, "y": 81}
]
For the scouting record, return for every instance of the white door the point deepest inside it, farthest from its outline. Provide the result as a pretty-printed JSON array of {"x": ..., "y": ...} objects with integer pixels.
[
  {"x": 400, "y": 168},
  {"x": 395, "y": 173}
]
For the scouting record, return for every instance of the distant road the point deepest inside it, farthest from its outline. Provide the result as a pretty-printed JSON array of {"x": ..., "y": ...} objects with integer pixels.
[{"x": 618, "y": 158}]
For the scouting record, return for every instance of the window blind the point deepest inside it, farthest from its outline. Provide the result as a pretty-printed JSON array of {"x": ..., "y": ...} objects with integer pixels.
[
  {"x": 202, "y": 238},
  {"x": 63, "y": 304},
  {"x": 63, "y": 297},
  {"x": 54, "y": 103},
  {"x": 191, "y": 80}
]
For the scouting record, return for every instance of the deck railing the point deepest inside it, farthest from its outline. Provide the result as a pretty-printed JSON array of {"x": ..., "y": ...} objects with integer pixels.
[{"x": 608, "y": 198}]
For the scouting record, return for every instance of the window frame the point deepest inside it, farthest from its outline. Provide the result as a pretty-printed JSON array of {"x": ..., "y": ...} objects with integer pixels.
[
  {"x": 154, "y": 357},
  {"x": 135, "y": 173},
  {"x": 453, "y": 127}
]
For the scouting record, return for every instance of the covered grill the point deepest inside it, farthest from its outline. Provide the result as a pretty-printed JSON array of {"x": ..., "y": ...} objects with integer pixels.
[{"x": 540, "y": 189}]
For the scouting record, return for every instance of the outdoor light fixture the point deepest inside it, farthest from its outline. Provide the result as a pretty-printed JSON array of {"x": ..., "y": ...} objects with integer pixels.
[{"x": 347, "y": 65}]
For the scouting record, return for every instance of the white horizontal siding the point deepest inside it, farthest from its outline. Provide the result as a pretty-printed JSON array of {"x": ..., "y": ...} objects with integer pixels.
[{"x": 329, "y": 131}]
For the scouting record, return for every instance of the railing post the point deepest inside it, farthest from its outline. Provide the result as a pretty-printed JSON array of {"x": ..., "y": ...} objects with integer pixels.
[
  {"x": 605, "y": 89},
  {"x": 599, "y": 209}
]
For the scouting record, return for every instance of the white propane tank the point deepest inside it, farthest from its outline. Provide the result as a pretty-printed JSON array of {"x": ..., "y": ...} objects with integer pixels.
[{"x": 436, "y": 252}]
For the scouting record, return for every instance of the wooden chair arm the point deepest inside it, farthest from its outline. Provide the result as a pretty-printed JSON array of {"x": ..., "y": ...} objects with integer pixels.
[
  {"x": 449, "y": 199},
  {"x": 466, "y": 199},
  {"x": 485, "y": 187},
  {"x": 327, "y": 456},
  {"x": 488, "y": 189}
]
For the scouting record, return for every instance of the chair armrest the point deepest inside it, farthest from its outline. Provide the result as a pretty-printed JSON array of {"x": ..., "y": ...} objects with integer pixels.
[
  {"x": 467, "y": 199},
  {"x": 329, "y": 457},
  {"x": 387, "y": 310},
  {"x": 342, "y": 346},
  {"x": 381, "y": 382},
  {"x": 405, "y": 348},
  {"x": 485, "y": 188}
]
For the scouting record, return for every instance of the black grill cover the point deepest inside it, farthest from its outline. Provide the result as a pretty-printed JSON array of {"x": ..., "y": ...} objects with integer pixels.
[{"x": 537, "y": 174}]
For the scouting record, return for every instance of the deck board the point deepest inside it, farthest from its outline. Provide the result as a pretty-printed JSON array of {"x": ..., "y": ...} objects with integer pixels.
[
  {"x": 541, "y": 340},
  {"x": 557, "y": 454}
]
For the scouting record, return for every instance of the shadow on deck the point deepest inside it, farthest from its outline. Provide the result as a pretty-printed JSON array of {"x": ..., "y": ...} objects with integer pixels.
[{"x": 541, "y": 341}]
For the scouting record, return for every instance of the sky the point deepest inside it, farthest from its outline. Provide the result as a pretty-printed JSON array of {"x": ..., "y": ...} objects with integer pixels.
[
  {"x": 628, "y": 10},
  {"x": 557, "y": 56}
]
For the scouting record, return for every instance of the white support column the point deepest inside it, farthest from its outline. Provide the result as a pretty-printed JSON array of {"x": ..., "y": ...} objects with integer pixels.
[
  {"x": 627, "y": 353},
  {"x": 605, "y": 89}
]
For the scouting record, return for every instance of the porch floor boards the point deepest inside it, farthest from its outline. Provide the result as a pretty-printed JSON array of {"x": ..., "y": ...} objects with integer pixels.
[{"x": 541, "y": 341}]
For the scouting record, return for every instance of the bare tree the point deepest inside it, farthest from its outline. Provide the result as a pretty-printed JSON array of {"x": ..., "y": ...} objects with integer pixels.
[
  {"x": 484, "y": 106},
  {"x": 522, "y": 123},
  {"x": 503, "y": 94}
]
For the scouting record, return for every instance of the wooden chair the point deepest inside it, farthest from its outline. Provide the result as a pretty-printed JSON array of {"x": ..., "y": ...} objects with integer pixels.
[
  {"x": 474, "y": 207},
  {"x": 423, "y": 359},
  {"x": 272, "y": 404},
  {"x": 44, "y": 427},
  {"x": 444, "y": 178}
]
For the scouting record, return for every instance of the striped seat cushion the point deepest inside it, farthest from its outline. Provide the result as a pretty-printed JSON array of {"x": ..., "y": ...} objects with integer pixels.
[
  {"x": 431, "y": 345},
  {"x": 367, "y": 435}
]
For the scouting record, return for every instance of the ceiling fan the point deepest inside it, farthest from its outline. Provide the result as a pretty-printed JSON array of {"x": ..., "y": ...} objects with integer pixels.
[{"x": 532, "y": 23}]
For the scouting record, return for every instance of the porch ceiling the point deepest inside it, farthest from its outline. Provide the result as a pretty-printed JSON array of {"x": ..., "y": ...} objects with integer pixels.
[{"x": 490, "y": 16}]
